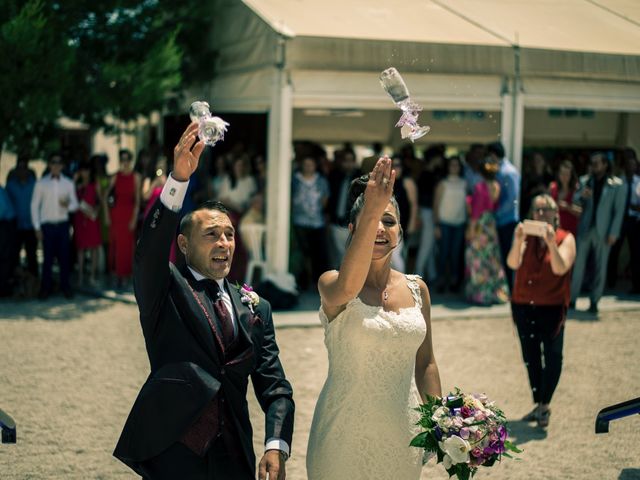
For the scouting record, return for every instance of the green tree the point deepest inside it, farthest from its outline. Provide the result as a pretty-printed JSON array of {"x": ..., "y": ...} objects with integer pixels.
[
  {"x": 34, "y": 74},
  {"x": 99, "y": 62}
]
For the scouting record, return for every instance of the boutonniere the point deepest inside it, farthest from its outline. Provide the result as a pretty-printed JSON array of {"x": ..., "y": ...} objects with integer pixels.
[{"x": 248, "y": 297}]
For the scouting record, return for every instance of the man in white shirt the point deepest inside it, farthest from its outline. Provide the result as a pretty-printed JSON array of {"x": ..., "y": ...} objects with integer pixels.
[{"x": 54, "y": 198}]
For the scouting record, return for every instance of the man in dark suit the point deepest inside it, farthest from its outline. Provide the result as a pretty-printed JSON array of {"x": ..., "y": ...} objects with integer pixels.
[{"x": 204, "y": 339}]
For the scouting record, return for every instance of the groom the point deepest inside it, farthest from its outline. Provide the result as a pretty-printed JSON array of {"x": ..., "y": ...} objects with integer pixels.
[{"x": 204, "y": 338}]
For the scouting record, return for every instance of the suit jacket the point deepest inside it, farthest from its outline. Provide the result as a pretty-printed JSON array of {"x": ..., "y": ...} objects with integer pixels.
[
  {"x": 610, "y": 210},
  {"x": 188, "y": 365}
]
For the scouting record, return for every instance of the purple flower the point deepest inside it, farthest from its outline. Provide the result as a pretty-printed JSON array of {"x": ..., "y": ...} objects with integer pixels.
[
  {"x": 466, "y": 412},
  {"x": 246, "y": 287},
  {"x": 476, "y": 452},
  {"x": 502, "y": 432},
  {"x": 438, "y": 432}
]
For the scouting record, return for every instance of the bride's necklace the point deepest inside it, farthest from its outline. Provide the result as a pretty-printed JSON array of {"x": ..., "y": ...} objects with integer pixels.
[{"x": 385, "y": 295}]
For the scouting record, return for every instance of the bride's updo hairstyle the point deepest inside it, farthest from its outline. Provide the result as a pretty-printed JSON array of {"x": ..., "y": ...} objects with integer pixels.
[{"x": 356, "y": 200}]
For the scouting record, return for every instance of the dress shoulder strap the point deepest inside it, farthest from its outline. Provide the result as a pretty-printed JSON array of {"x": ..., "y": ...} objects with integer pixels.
[{"x": 412, "y": 283}]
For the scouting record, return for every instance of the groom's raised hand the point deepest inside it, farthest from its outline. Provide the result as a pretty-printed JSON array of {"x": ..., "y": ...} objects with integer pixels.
[
  {"x": 186, "y": 154},
  {"x": 272, "y": 463}
]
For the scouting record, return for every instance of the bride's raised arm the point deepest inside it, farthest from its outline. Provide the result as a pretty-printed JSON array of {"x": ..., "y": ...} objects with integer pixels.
[{"x": 339, "y": 287}]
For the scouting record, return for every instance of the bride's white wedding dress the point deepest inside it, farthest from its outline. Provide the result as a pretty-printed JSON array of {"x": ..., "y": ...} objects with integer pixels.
[{"x": 364, "y": 418}]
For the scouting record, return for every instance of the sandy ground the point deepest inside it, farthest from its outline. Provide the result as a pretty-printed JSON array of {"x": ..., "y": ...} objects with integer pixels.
[{"x": 69, "y": 374}]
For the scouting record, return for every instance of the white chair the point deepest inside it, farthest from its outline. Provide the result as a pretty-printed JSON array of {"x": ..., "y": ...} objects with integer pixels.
[{"x": 253, "y": 238}]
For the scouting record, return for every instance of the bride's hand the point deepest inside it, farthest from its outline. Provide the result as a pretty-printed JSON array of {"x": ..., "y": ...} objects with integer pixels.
[{"x": 380, "y": 186}]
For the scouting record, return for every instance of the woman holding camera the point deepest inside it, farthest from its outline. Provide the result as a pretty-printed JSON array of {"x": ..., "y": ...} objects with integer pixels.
[{"x": 542, "y": 260}]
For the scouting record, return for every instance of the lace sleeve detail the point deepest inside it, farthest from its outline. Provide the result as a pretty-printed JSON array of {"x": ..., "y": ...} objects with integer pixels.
[{"x": 412, "y": 283}]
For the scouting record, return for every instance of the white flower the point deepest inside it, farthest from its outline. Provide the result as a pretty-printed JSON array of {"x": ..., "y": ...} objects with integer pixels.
[
  {"x": 445, "y": 423},
  {"x": 446, "y": 461},
  {"x": 457, "y": 448},
  {"x": 440, "y": 412},
  {"x": 248, "y": 297},
  {"x": 255, "y": 299}
]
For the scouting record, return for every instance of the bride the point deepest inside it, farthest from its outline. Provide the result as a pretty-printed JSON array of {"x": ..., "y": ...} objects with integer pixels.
[{"x": 378, "y": 335}]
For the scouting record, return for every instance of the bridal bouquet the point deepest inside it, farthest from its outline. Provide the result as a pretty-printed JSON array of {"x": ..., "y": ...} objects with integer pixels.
[{"x": 464, "y": 432}]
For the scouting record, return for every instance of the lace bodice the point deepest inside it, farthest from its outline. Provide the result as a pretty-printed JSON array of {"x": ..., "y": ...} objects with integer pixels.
[{"x": 364, "y": 419}]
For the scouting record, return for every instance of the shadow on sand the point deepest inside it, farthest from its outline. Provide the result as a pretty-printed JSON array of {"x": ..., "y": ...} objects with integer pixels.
[
  {"x": 522, "y": 432},
  {"x": 54, "y": 308}
]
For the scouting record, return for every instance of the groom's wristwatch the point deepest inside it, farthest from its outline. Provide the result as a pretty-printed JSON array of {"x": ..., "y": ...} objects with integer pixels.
[{"x": 283, "y": 455}]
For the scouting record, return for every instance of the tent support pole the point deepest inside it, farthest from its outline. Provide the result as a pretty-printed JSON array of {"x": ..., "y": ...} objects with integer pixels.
[{"x": 279, "y": 171}]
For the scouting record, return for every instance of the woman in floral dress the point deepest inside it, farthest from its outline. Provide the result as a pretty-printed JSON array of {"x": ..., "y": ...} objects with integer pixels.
[{"x": 486, "y": 282}]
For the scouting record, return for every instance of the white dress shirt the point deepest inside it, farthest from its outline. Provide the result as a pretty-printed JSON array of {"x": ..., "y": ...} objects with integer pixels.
[
  {"x": 45, "y": 203},
  {"x": 172, "y": 197}
]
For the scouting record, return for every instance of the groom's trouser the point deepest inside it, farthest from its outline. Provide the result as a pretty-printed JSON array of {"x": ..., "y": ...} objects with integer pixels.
[{"x": 179, "y": 462}]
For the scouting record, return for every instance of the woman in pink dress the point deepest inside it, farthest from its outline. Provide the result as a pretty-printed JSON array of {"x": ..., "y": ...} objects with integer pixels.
[
  {"x": 123, "y": 217},
  {"x": 486, "y": 282},
  {"x": 86, "y": 225}
]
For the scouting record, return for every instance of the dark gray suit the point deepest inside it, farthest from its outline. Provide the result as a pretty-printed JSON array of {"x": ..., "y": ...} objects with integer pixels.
[{"x": 608, "y": 222}]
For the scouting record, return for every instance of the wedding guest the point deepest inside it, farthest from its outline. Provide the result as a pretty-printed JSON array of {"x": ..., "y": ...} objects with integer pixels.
[
  {"x": 219, "y": 175},
  {"x": 562, "y": 190},
  {"x": 340, "y": 178},
  {"x": 429, "y": 178},
  {"x": 535, "y": 180},
  {"x": 634, "y": 233},
  {"x": 450, "y": 217},
  {"x": 123, "y": 217},
  {"x": 473, "y": 159},
  {"x": 239, "y": 186},
  {"x": 21, "y": 182},
  {"x": 630, "y": 170},
  {"x": 7, "y": 232},
  {"x": 260, "y": 172},
  {"x": 236, "y": 191},
  {"x": 255, "y": 213},
  {"x": 485, "y": 281},
  {"x": 602, "y": 199},
  {"x": 541, "y": 295},
  {"x": 406, "y": 194},
  {"x": 507, "y": 212},
  {"x": 152, "y": 186},
  {"x": 86, "y": 224},
  {"x": 309, "y": 196},
  {"x": 54, "y": 198},
  {"x": 99, "y": 165}
]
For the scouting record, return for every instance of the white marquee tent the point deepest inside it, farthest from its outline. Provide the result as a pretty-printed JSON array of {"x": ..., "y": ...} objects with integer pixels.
[{"x": 313, "y": 67}]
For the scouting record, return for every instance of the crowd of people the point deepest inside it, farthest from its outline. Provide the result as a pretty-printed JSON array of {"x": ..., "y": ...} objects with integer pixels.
[{"x": 458, "y": 215}]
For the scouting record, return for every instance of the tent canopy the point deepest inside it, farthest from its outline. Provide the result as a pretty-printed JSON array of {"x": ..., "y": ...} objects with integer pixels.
[
  {"x": 603, "y": 26},
  {"x": 597, "y": 39}
]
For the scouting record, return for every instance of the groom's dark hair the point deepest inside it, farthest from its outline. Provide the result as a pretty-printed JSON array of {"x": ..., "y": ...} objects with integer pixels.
[{"x": 187, "y": 221}]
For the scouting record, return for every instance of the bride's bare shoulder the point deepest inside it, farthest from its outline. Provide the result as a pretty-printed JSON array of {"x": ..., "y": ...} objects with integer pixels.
[{"x": 330, "y": 309}]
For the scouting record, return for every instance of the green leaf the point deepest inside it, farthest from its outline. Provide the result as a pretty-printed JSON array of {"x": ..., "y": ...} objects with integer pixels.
[
  {"x": 462, "y": 470},
  {"x": 512, "y": 447},
  {"x": 419, "y": 440}
]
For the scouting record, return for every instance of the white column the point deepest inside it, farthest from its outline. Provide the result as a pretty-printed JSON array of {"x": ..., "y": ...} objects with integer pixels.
[
  {"x": 512, "y": 127},
  {"x": 517, "y": 131},
  {"x": 279, "y": 158},
  {"x": 506, "y": 122}
]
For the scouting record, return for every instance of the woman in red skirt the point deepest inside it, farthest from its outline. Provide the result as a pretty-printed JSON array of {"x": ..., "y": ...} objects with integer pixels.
[
  {"x": 123, "y": 216},
  {"x": 86, "y": 226}
]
